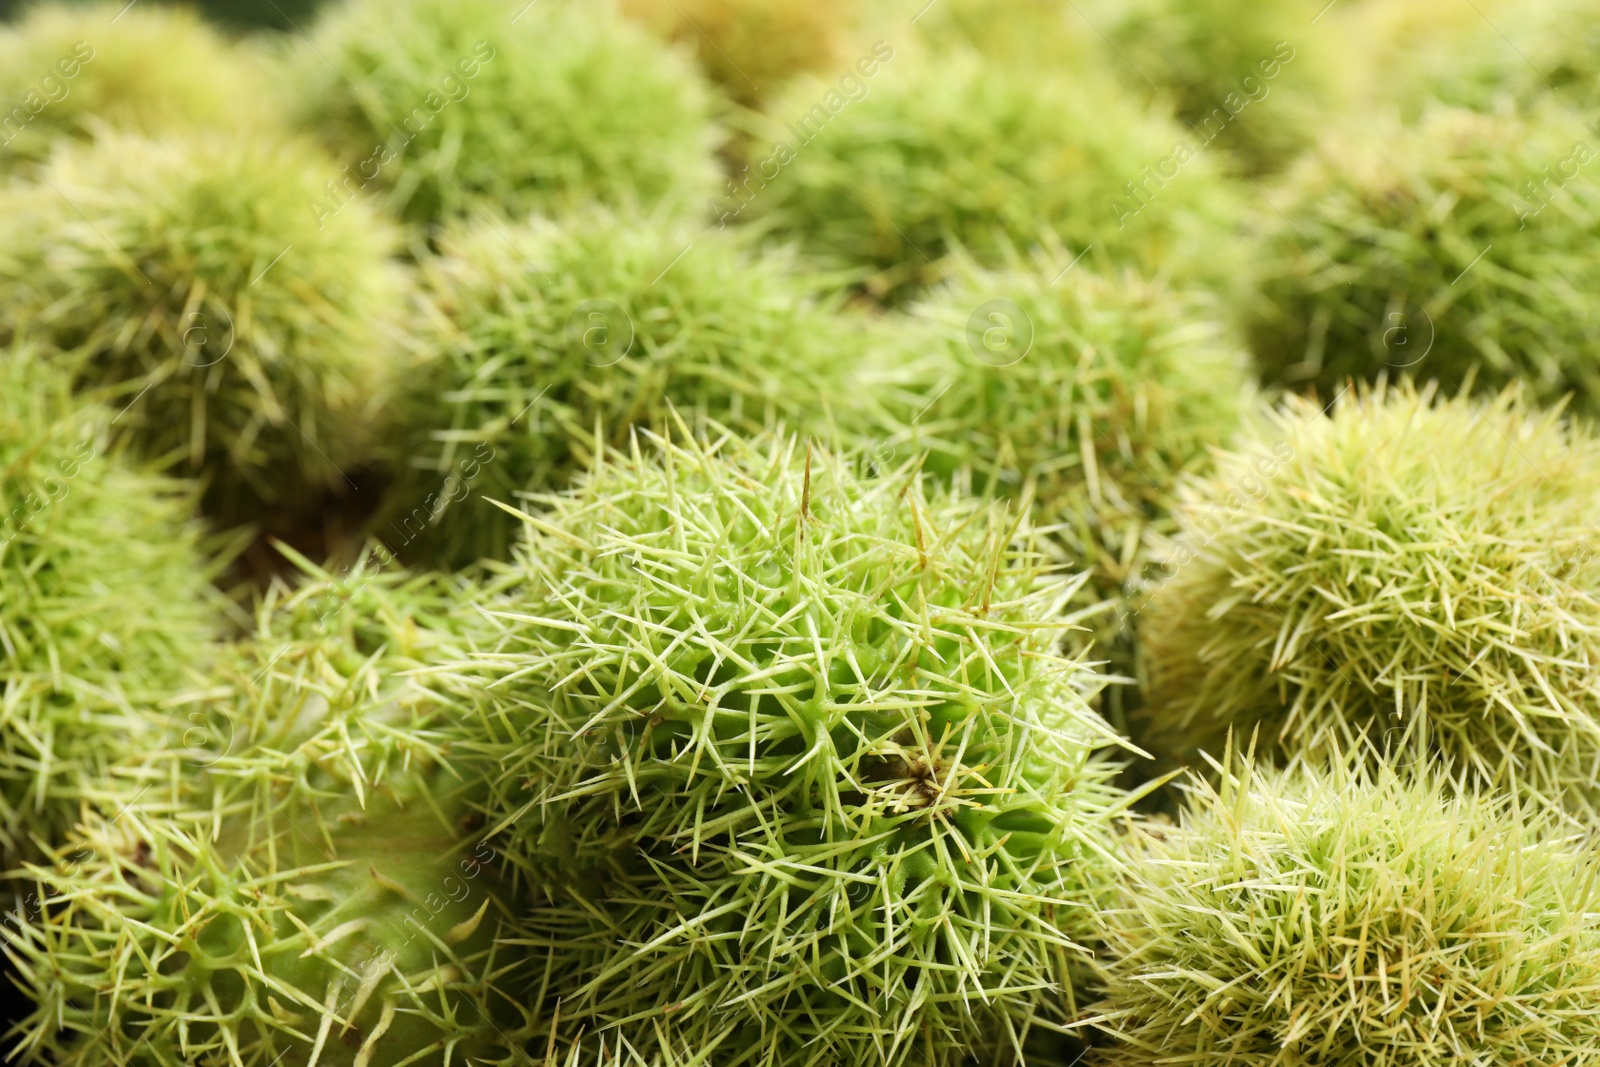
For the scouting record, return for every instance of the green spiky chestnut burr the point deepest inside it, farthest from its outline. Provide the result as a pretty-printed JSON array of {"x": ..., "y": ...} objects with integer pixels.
[
  {"x": 1352, "y": 918},
  {"x": 106, "y": 605},
  {"x": 950, "y": 150},
  {"x": 243, "y": 337},
  {"x": 1415, "y": 570},
  {"x": 1255, "y": 83},
  {"x": 75, "y": 70},
  {"x": 300, "y": 882},
  {"x": 1089, "y": 394},
  {"x": 792, "y": 756},
  {"x": 543, "y": 340},
  {"x": 461, "y": 107},
  {"x": 1455, "y": 246}
]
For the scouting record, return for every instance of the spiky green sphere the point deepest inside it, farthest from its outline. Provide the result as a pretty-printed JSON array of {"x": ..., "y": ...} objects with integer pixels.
[
  {"x": 1404, "y": 568},
  {"x": 544, "y": 337},
  {"x": 1353, "y": 920},
  {"x": 1089, "y": 394},
  {"x": 296, "y": 886},
  {"x": 793, "y": 755},
  {"x": 934, "y": 151},
  {"x": 170, "y": 948},
  {"x": 1461, "y": 242},
  {"x": 466, "y": 106},
  {"x": 105, "y": 603},
  {"x": 1253, "y": 80},
  {"x": 70, "y": 71},
  {"x": 244, "y": 335}
]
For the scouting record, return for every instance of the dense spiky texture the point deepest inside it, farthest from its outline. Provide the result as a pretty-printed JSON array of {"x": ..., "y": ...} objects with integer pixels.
[
  {"x": 244, "y": 333},
  {"x": 1092, "y": 401},
  {"x": 1253, "y": 80},
  {"x": 949, "y": 149},
  {"x": 575, "y": 1047},
  {"x": 792, "y": 755},
  {"x": 1425, "y": 250},
  {"x": 1353, "y": 920},
  {"x": 1405, "y": 567},
  {"x": 542, "y": 336},
  {"x": 67, "y": 71},
  {"x": 1086, "y": 395},
  {"x": 750, "y": 47},
  {"x": 105, "y": 600},
  {"x": 299, "y": 885},
  {"x": 461, "y": 106}
]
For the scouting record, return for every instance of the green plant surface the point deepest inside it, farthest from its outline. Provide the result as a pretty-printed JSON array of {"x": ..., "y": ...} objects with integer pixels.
[
  {"x": 793, "y": 758},
  {"x": 543, "y": 339},
  {"x": 1527, "y": 51},
  {"x": 1352, "y": 919},
  {"x": 69, "y": 71},
  {"x": 1416, "y": 570},
  {"x": 660, "y": 1050},
  {"x": 461, "y": 106},
  {"x": 1045, "y": 33},
  {"x": 1454, "y": 245},
  {"x": 1258, "y": 79},
  {"x": 948, "y": 150},
  {"x": 1406, "y": 45},
  {"x": 244, "y": 338},
  {"x": 1083, "y": 396},
  {"x": 300, "y": 883},
  {"x": 750, "y": 48},
  {"x": 106, "y": 606},
  {"x": 1088, "y": 394}
]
